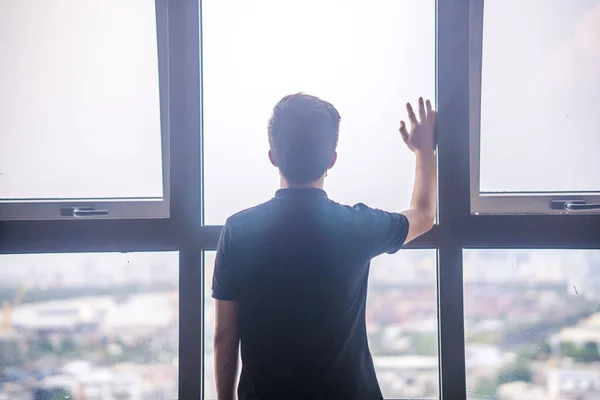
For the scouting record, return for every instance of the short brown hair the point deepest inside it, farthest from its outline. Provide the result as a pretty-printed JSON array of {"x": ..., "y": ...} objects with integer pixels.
[{"x": 303, "y": 135}]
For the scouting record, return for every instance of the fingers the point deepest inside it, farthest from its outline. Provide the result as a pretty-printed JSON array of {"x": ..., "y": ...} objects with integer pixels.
[
  {"x": 411, "y": 116},
  {"x": 422, "y": 114},
  {"x": 403, "y": 131},
  {"x": 430, "y": 113}
]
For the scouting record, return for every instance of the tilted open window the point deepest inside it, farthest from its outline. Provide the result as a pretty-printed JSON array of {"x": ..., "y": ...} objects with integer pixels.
[
  {"x": 83, "y": 110},
  {"x": 534, "y": 84}
]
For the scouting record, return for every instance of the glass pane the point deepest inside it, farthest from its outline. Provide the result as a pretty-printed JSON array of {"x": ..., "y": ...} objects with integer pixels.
[
  {"x": 401, "y": 324},
  {"x": 367, "y": 58},
  {"x": 532, "y": 324},
  {"x": 79, "y": 105},
  {"x": 95, "y": 326},
  {"x": 540, "y": 96}
]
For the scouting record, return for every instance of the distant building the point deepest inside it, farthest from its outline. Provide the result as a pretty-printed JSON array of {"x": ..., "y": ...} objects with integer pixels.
[
  {"x": 576, "y": 383},
  {"x": 486, "y": 360},
  {"x": 520, "y": 391},
  {"x": 407, "y": 376},
  {"x": 587, "y": 331},
  {"x": 81, "y": 380},
  {"x": 61, "y": 316},
  {"x": 140, "y": 315}
]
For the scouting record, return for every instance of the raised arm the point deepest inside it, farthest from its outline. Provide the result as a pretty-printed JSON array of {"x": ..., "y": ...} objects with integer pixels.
[{"x": 421, "y": 141}]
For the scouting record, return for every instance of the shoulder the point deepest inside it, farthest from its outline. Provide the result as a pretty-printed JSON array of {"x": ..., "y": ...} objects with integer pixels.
[
  {"x": 251, "y": 212},
  {"x": 249, "y": 217},
  {"x": 359, "y": 211},
  {"x": 364, "y": 216}
]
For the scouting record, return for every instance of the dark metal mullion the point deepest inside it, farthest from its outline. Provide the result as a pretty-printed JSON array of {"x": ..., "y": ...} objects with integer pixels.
[
  {"x": 489, "y": 232},
  {"x": 530, "y": 231},
  {"x": 202, "y": 233},
  {"x": 186, "y": 199},
  {"x": 452, "y": 76},
  {"x": 191, "y": 314},
  {"x": 451, "y": 321},
  {"x": 86, "y": 235},
  {"x": 483, "y": 231}
]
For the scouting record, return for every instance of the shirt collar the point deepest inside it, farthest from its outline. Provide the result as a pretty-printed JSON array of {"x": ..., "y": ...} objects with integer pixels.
[{"x": 301, "y": 193}]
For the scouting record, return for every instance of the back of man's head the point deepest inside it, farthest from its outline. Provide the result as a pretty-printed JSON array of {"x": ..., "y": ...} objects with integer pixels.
[{"x": 303, "y": 135}]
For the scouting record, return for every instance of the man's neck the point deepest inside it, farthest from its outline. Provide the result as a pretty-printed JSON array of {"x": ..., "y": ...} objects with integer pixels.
[{"x": 318, "y": 184}]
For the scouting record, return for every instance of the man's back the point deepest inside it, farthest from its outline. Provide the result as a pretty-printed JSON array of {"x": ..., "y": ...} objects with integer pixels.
[
  {"x": 298, "y": 266},
  {"x": 290, "y": 278}
]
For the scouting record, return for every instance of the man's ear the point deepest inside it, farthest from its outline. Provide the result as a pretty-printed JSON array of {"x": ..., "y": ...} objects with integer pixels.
[
  {"x": 272, "y": 159},
  {"x": 333, "y": 160}
]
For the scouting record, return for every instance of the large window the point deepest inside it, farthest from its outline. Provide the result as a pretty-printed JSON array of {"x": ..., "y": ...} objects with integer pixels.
[
  {"x": 368, "y": 59},
  {"x": 532, "y": 324},
  {"x": 97, "y": 325},
  {"x": 80, "y": 110},
  {"x": 130, "y": 131},
  {"x": 401, "y": 324},
  {"x": 534, "y": 110}
]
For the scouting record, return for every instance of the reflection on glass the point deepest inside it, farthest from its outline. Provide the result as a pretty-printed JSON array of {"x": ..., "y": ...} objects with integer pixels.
[
  {"x": 366, "y": 58},
  {"x": 79, "y": 100},
  {"x": 401, "y": 324},
  {"x": 532, "y": 324},
  {"x": 100, "y": 326},
  {"x": 540, "y": 96}
]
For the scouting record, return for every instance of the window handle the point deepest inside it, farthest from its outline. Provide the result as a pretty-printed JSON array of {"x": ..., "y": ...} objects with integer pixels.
[
  {"x": 82, "y": 212},
  {"x": 580, "y": 206},
  {"x": 573, "y": 205}
]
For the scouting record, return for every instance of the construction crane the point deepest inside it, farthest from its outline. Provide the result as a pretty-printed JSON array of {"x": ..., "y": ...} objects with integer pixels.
[
  {"x": 6, "y": 327},
  {"x": 10, "y": 348}
]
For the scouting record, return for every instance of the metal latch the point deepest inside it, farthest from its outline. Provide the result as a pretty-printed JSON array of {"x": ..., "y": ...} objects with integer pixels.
[
  {"x": 573, "y": 205},
  {"x": 80, "y": 212}
]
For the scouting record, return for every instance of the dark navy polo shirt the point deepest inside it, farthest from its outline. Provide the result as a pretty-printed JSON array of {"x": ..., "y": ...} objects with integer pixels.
[{"x": 298, "y": 266}]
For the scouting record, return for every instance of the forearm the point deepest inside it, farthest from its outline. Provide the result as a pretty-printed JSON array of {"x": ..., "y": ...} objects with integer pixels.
[
  {"x": 226, "y": 364},
  {"x": 422, "y": 141},
  {"x": 424, "y": 196}
]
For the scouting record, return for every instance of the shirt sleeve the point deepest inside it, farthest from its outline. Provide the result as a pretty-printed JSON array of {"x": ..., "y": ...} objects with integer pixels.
[
  {"x": 384, "y": 232},
  {"x": 223, "y": 282}
]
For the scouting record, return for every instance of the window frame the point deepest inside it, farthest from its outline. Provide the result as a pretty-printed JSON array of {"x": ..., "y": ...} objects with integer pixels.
[
  {"x": 505, "y": 202},
  {"x": 117, "y": 208},
  {"x": 184, "y": 231}
]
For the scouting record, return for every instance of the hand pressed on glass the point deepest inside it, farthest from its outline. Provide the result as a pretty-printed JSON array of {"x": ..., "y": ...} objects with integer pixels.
[{"x": 422, "y": 133}]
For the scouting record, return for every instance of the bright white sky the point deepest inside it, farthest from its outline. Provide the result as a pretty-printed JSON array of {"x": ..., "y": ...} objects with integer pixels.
[
  {"x": 86, "y": 124},
  {"x": 367, "y": 59}
]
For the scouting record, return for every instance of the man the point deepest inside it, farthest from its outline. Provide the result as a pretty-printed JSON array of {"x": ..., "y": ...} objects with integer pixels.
[{"x": 290, "y": 278}]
